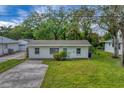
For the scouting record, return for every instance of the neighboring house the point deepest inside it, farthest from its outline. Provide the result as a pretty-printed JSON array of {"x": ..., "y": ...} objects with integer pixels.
[
  {"x": 22, "y": 45},
  {"x": 109, "y": 47},
  {"x": 8, "y": 46},
  {"x": 41, "y": 49}
]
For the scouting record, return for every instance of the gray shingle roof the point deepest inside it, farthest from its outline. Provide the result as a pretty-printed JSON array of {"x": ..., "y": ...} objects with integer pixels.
[
  {"x": 110, "y": 41},
  {"x": 7, "y": 40},
  {"x": 59, "y": 43}
]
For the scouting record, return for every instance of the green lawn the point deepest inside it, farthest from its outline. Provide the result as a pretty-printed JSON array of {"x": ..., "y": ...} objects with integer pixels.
[
  {"x": 8, "y": 64},
  {"x": 100, "y": 71}
]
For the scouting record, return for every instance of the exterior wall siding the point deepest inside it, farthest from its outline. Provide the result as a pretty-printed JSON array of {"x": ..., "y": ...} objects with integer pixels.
[
  {"x": 22, "y": 45},
  {"x": 15, "y": 48},
  {"x": 110, "y": 48},
  {"x": 45, "y": 52}
]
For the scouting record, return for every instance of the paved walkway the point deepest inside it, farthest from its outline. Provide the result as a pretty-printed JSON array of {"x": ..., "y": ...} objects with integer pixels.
[
  {"x": 29, "y": 74},
  {"x": 20, "y": 55}
]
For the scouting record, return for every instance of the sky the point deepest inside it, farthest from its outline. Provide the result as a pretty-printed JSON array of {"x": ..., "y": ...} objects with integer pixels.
[
  {"x": 16, "y": 14},
  {"x": 13, "y": 14}
]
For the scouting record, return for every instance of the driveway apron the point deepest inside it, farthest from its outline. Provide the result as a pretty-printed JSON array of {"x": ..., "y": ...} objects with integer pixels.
[
  {"x": 19, "y": 55},
  {"x": 29, "y": 74}
]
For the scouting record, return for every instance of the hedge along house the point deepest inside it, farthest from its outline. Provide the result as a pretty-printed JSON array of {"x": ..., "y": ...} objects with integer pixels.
[
  {"x": 44, "y": 49},
  {"x": 8, "y": 46}
]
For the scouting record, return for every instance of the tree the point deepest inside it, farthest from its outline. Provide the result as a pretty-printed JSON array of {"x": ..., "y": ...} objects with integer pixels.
[
  {"x": 94, "y": 39},
  {"x": 57, "y": 22},
  {"x": 4, "y": 30},
  {"x": 87, "y": 19},
  {"x": 43, "y": 32},
  {"x": 32, "y": 24},
  {"x": 107, "y": 36},
  {"x": 122, "y": 31},
  {"x": 109, "y": 22},
  {"x": 120, "y": 14}
]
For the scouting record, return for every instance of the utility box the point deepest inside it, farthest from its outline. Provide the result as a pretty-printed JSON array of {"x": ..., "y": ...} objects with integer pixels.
[{"x": 89, "y": 54}]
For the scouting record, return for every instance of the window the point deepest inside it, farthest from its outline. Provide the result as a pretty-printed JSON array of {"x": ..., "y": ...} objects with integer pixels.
[
  {"x": 37, "y": 51},
  {"x": 78, "y": 51},
  {"x": 53, "y": 50},
  {"x": 21, "y": 45},
  {"x": 109, "y": 44},
  {"x": 119, "y": 46}
]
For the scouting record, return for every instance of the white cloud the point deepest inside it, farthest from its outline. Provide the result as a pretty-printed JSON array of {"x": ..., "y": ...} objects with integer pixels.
[
  {"x": 22, "y": 13},
  {"x": 43, "y": 9},
  {"x": 5, "y": 23},
  {"x": 21, "y": 16},
  {"x": 18, "y": 20},
  {"x": 40, "y": 9}
]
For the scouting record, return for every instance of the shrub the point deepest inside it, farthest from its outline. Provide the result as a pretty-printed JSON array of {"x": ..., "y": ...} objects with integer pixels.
[
  {"x": 102, "y": 53},
  {"x": 92, "y": 50},
  {"x": 60, "y": 55},
  {"x": 56, "y": 56}
]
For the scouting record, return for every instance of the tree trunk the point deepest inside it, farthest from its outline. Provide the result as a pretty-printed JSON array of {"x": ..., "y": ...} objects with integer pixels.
[
  {"x": 116, "y": 46},
  {"x": 55, "y": 36},
  {"x": 122, "y": 47},
  {"x": 64, "y": 36}
]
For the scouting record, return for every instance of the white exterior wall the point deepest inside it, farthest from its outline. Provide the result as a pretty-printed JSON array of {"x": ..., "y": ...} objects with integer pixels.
[
  {"x": 5, "y": 50},
  {"x": 110, "y": 48},
  {"x": 22, "y": 45},
  {"x": 15, "y": 48},
  {"x": 45, "y": 52}
]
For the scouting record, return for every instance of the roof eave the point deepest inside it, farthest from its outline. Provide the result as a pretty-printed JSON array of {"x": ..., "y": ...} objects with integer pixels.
[{"x": 59, "y": 45}]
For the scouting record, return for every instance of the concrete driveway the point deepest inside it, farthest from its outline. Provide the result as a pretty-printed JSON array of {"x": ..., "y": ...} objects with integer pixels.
[
  {"x": 19, "y": 55},
  {"x": 29, "y": 74}
]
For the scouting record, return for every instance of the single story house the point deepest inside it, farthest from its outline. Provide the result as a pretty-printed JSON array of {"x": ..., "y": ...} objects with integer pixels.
[
  {"x": 8, "y": 46},
  {"x": 22, "y": 45},
  {"x": 110, "y": 48},
  {"x": 109, "y": 45},
  {"x": 41, "y": 49}
]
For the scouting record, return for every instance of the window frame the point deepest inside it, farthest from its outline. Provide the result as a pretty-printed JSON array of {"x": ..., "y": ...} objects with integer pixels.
[
  {"x": 37, "y": 51},
  {"x": 78, "y": 51},
  {"x": 53, "y": 50},
  {"x": 109, "y": 43}
]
